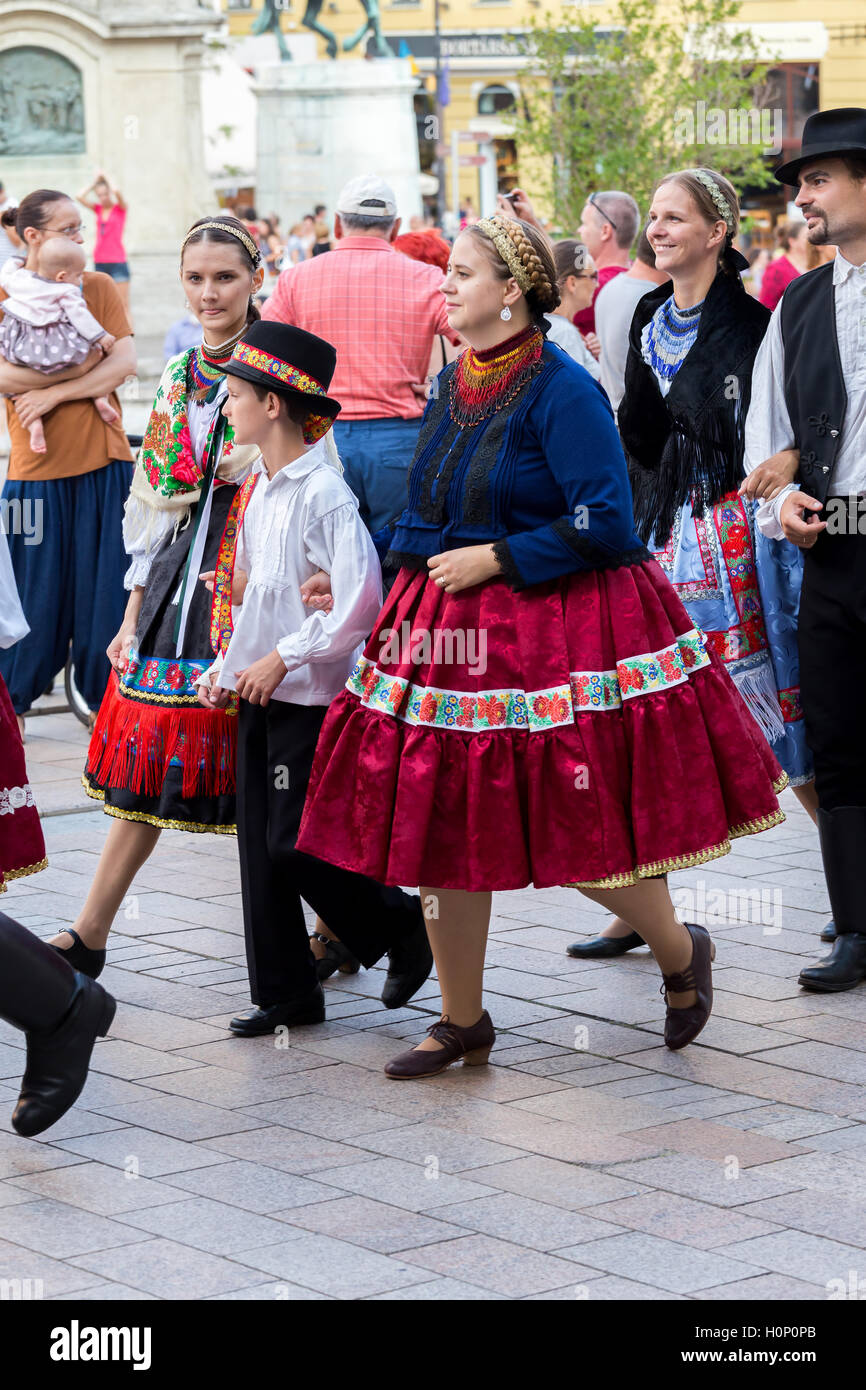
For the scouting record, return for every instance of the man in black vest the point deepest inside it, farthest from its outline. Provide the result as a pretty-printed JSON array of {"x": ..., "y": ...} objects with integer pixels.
[{"x": 809, "y": 392}]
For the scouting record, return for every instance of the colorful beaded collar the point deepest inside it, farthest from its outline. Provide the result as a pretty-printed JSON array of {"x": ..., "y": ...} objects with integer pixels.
[{"x": 484, "y": 382}]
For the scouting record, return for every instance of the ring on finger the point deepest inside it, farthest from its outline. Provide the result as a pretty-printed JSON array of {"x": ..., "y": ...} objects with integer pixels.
[{"x": 441, "y": 581}]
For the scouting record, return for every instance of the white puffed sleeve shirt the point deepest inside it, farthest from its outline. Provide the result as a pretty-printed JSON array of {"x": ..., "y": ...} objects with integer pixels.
[
  {"x": 303, "y": 519},
  {"x": 768, "y": 424}
]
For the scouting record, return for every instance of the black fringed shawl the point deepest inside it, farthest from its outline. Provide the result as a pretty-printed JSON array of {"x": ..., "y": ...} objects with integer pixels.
[{"x": 688, "y": 446}]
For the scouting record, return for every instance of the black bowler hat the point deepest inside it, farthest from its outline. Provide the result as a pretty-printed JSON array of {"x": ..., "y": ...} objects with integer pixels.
[
  {"x": 292, "y": 362},
  {"x": 842, "y": 131}
]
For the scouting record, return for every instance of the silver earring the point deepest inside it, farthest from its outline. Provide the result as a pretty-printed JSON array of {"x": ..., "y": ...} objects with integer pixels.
[{"x": 505, "y": 313}]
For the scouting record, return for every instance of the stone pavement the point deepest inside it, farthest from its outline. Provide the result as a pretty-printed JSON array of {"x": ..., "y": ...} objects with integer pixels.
[{"x": 587, "y": 1162}]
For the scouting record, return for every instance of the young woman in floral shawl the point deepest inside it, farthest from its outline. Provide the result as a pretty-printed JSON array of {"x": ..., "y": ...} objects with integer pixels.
[{"x": 157, "y": 758}]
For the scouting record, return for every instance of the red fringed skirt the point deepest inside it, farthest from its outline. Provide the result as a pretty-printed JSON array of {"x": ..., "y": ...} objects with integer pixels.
[
  {"x": 157, "y": 755},
  {"x": 576, "y": 732},
  {"x": 22, "y": 848}
]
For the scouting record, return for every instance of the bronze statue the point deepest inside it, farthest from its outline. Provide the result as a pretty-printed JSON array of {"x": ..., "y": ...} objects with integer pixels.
[{"x": 268, "y": 22}]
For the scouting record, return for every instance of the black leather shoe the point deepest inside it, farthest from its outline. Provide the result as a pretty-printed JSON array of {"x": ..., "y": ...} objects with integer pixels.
[
  {"x": 682, "y": 1026},
  {"x": 601, "y": 947},
  {"x": 829, "y": 932},
  {"x": 409, "y": 965},
  {"x": 310, "y": 1008},
  {"x": 336, "y": 957},
  {"x": 84, "y": 958},
  {"x": 57, "y": 1060},
  {"x": 844, "y": 968}
]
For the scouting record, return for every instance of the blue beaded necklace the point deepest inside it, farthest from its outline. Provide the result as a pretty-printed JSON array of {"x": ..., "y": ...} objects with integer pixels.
[{"x": 670, "y": 334}]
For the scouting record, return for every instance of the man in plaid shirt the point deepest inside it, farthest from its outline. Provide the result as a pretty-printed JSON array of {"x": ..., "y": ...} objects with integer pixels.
[{"x": 381, "y": 311}]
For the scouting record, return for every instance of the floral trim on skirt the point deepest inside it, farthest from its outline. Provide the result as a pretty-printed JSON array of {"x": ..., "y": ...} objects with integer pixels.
[
  {"x": 575, "y": 732},
  {"x": 22, "y": 847}
]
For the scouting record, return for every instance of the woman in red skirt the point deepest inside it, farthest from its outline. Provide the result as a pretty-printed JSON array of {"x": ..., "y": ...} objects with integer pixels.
[
  {"x": 22, "y": 848},
  {"x": 534, "y": 700}
]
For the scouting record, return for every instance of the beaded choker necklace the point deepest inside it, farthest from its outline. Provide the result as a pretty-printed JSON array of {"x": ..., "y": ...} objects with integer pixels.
[
  {"x": 207, "y": 368},
  {"x": 483, "y": 382},
  {"x": 670, "y": 335}
]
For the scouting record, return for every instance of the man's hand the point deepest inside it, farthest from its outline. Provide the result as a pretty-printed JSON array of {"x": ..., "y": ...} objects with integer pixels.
[
  {"x": 258, "y": 682},
  {"x": 117, "y": 650},
  {"x": 518, "y": 205},
  {"x": 32, "y": 405},
  {"x": 802, "y": 533},
  {"x": 316, "y": 592},
  {"x": 767, "y": 480},
  {"x": 454, "y": 570},
  {"x": 593, "y": 342}
]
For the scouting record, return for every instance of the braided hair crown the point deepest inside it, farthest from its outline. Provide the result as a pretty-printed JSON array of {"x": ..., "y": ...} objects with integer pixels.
[{"x": 534, "y": 254}]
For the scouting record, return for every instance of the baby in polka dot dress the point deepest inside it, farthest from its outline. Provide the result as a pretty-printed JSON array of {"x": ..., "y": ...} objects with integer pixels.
[{"x": 46, "y": 324}]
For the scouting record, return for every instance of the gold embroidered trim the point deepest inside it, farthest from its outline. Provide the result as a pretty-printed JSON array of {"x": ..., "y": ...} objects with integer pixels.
[
  {"x": 161, "y": 824},
  {"x": 683, "y": 861},
  {"x": 7, "y": 875},
  {"x": 124, "y": 693}
]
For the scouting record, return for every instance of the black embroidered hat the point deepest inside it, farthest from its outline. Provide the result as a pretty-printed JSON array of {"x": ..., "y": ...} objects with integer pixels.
[
  {"x": 292, "y": 362},
  {"x": 842, "y": 131}
]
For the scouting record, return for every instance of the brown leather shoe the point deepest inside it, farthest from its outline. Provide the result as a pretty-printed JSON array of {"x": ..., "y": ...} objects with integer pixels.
[
  {"x": 472, "y": 1044},
  {"x": 683, "y": 1025}
]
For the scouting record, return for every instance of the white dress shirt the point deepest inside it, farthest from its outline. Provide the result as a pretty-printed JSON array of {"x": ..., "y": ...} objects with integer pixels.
[
  {"x": 563, "y": 332},
  {"x": 768, "y": 424},
  {"x": 303, "y": 519},
  {"x": 13, "y": 624}
]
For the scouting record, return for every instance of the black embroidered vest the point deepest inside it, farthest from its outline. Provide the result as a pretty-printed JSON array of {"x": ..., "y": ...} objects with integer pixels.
[{"x": 814, "y": 385}]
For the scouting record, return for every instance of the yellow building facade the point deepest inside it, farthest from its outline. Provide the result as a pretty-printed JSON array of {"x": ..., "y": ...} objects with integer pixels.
[{"x": 817, "y": 63}]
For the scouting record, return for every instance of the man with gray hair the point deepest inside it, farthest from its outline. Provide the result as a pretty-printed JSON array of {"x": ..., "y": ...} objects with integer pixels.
[
  {"x": 608, "y": 226},
  {"x": 381, "y": 311}
]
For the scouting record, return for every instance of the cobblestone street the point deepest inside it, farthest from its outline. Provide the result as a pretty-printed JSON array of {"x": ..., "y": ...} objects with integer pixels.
[{"x": 587, "y": 1161}]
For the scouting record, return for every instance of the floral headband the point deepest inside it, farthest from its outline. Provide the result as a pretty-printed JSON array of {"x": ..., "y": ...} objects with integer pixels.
[
  {"x": 242, "y": 236},
  {"x": 722, "y": 205},
  {"x": 498, "y": 230}
]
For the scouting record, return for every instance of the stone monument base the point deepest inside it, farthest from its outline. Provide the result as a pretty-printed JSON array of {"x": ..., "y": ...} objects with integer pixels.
[{"x": 321, "y": 124}]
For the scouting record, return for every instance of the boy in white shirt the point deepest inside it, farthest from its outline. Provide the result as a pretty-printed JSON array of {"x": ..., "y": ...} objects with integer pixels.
[{"x": 296, "y": 515}]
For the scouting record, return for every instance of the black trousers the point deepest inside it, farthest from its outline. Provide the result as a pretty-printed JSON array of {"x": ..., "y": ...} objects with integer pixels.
[
  {"x": 832, "y": 643},
  {"x": 276, "y": 745}
]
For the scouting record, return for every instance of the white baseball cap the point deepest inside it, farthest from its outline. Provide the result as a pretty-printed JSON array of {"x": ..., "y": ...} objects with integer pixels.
[{"x": 367, "y": 196}]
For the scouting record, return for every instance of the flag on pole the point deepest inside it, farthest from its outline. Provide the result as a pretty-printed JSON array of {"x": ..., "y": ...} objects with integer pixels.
[{"x": 404, "y": 51}]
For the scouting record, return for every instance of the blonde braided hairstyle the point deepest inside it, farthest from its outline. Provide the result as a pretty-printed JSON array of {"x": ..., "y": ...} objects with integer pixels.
[{"x": 531, "y": 256}]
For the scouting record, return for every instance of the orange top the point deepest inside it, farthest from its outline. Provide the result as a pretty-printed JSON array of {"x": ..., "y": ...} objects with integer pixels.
[{"x": 78, "y": 440}]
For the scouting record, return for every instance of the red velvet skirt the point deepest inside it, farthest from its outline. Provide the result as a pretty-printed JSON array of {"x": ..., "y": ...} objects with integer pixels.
[
  {"x": 22, "y": 848},
  {"x": 577, "y": 732}
]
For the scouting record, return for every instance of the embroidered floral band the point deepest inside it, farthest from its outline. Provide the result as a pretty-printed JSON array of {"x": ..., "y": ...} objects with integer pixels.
[
  {"x": 14, "y": 799},
  {"x": 792, "y": 708},
  {"x": 161, "y": 680},
  {"x": 278, "y": 369},
  {"x": 536, "y": 710}
]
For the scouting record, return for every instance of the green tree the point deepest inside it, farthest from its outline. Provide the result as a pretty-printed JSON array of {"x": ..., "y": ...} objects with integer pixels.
[{"x": 619, "y": 106}]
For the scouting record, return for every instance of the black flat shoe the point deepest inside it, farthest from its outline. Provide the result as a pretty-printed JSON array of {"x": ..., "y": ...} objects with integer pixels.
[
  {"x": 601, "y": 947},
  {"x": 409, "y": 965},
  {"x": 844, "y": 968},
  {"x": 336, "y": 957},
  {"x": 308, "y": 1009},
  {"x": 81, "y": 957},
  {"x": 683, "y": 1025},
  {"x": 829, "y": 932},
  {"x": 57, "y": 1060}
]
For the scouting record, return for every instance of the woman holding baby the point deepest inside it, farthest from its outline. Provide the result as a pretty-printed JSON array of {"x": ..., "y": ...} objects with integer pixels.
[{"x": 65, "y": 502}]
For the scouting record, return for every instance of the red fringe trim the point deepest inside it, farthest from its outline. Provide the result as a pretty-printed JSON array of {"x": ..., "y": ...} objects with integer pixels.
[{"x": 133, "y": 744}]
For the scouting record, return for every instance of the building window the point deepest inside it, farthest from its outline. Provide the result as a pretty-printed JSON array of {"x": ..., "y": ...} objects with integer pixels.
[{"x": 494, "y": 99}]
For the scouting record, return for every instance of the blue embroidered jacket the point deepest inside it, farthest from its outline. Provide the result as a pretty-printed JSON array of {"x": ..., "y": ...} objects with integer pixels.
[{"x": 544, "y": 477}]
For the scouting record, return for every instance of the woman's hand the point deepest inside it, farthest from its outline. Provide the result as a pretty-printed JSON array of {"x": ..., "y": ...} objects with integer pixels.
[
  {"x": 258, "y": 682},
  {"x": 211, "y": 696},
  {"x": 594, "y": 344},
  {"x": 32, "y": 405},
  {"x": 518, "y": 205},
  {"x": 460, "y": 569},
  {"x": 800, "y": 532},
  {"x": 316, "y": 592},
  {"x": 239, "y": 584},
  {"x": 767, "y": 480},
  {"x": 117, "y": 650}
]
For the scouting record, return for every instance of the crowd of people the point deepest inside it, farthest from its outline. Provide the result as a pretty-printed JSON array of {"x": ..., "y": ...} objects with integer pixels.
[{"x": 519, "y": 567}]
